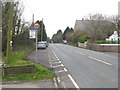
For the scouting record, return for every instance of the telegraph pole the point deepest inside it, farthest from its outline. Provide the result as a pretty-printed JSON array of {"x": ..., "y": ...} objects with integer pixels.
[
  {"x": 9, "y": 33},
  {"x": 33, "y": 18},
  {"x": 118, "y": 23}
]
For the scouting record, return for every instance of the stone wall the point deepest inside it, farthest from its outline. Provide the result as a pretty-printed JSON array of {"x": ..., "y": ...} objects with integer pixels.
[
  {"x": 101, "y": 47},
  {"x": 15, "y": 70},
  {"x": 82, "y": 45}
]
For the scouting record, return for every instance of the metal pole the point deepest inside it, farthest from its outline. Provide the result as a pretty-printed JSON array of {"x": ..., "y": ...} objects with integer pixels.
[
  {"x": 36, "y": 44},
  {"x": 33, "y": 18},
  {"x": 42, "y": 30},
  {"x": 118, "y": 27}
]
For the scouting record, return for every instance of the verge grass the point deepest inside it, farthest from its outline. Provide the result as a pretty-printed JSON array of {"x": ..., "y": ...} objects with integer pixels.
[{"x": 18, "y": 58}]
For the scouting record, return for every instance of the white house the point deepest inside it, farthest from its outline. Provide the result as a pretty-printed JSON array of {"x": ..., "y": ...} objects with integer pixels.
[{"x": 113, "y": 37}]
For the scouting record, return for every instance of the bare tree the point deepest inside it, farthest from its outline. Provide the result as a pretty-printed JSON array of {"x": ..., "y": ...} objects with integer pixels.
[{"x": 99, "y": 27}]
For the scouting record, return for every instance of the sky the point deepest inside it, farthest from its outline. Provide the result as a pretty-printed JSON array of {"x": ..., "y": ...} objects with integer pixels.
[{"x": 58, "y": 14}]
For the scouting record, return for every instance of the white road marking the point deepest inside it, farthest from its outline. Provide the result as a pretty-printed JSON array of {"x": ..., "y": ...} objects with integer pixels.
[
  {"x": 58, "y": 79},
  {"x": 55, "y": 83},
  {"x": 57, "y": 66},
  {"x": 57, "y": 58},
  {"x": 65, "y": 69},
  {"x": 81, "y": 53},
  {"x": 54, "y": 53},
  {"x": 60, "y": 71},
  {"x": 100, "y": 60},
  {"x": 73, "y": 81},
  {"x": 56, "y": 62},
  {"x": 62, "y": 65},
  {"x": 51, "y": 66}
]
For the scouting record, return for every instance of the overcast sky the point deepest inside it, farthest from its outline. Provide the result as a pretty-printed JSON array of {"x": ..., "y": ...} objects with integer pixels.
[{"x": 58, "y": 14}]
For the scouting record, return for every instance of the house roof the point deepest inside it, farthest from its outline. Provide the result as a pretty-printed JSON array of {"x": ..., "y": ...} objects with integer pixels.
[
  {"x": 81, "y": 24},
  {"x": 84, "y": 24}
]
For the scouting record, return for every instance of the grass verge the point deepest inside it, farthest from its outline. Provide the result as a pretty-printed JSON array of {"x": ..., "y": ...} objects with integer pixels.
[{"x": 17, "y": 58}]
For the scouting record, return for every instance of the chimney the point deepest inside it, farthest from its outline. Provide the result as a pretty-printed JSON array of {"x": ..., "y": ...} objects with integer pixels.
[{"x": 82, "y": 18}]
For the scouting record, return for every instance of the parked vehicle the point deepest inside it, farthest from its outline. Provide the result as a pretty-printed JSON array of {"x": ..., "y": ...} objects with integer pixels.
[
  {"x": 41, "y": 45},
  {"x": 46, "y": 43}
]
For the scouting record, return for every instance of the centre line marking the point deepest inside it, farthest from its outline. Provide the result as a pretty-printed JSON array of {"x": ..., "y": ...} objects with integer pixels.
[
  {"x": 81, "y": 53},
  {"x": 100, "y": 60},
  {"x": 73, "y": 81}
]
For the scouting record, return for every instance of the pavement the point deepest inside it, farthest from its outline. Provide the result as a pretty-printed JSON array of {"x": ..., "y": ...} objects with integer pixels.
[{"x": 34, "y": 84}]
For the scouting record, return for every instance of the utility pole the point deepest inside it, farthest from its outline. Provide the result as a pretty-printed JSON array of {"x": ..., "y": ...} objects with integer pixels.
[
  {"x": 9, "y": 33},
  {"x": 118, "y": 23},
  {"x": 33, "y": 18},
  {"x": 42, "y": 30}
]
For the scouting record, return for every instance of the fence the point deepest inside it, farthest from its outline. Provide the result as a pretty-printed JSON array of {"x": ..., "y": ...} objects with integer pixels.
[{"x": 15, "y": 70}]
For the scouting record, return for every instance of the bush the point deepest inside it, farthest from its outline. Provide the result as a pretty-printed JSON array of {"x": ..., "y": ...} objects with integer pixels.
[
  {"x": 105, "y": 42},
  {"x": 83, "y": 38}
]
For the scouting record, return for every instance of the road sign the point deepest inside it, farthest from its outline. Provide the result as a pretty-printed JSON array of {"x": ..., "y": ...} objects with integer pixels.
[
  {"x": 36, "y": 26},
  {"x": 32, "y": 34}
]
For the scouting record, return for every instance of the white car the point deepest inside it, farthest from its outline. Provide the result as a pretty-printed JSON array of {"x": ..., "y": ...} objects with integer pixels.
[{"x": 41, "y": 45}]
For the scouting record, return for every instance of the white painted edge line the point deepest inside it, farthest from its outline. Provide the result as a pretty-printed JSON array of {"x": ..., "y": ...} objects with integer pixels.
[
  {"x": 62, "y": 65},
  {"x": 100, "y": 60},
  {"x": 54, "y": 53},
  {"x": 55, "y": 82},
  {"x": 58, "y": 79},
  {"x": 73, "y": 81},
  {"x": 65, "y": 69},
  {"x": 50, "y": 61}
]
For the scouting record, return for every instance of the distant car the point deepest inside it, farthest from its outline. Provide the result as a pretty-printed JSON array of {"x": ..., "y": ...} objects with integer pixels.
[
  {"x": 65, "y": 41},
  {"x": 41, "y": 45}
]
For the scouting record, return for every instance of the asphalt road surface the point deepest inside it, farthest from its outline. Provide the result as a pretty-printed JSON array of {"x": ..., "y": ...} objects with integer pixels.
[{"x": 90, "y": 69}]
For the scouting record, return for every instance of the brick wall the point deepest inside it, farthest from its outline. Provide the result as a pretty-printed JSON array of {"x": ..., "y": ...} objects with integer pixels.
[{"x": 15, "y": 70}]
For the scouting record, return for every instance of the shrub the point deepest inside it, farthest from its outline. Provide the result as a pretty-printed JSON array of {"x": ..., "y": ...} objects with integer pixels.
[
  {"x": 83, "y": 38},
  {"x": 105, "y": 42}
]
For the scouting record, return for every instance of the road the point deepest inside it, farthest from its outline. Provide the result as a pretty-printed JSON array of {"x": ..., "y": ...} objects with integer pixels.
[{"x": 90, "y": 69}]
